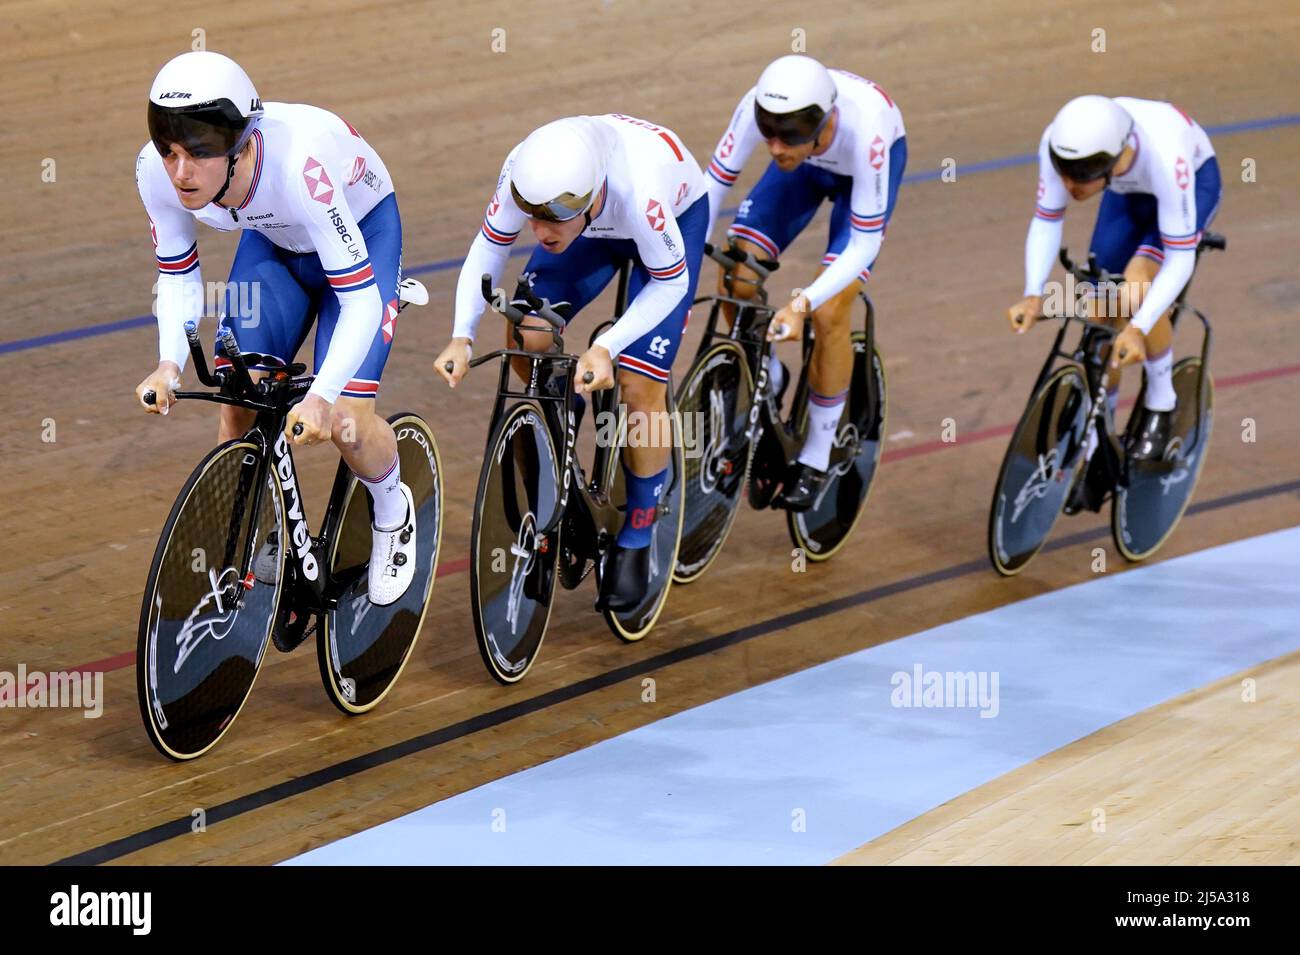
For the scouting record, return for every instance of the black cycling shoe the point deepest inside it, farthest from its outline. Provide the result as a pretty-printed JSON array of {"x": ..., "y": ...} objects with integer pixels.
[
  {"x": 802, "y": 488},
  {"x": 1150, "y": 439},
  {"x": 1088, "y": 493},
  {"x": 624, "y": 579}
]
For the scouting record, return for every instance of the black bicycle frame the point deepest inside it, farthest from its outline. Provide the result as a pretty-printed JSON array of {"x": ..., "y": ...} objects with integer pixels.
[
  {"x": 749, "y": 329},
  {"x": 271, "y": 399},
  {"x": 1088, "y": 353}
]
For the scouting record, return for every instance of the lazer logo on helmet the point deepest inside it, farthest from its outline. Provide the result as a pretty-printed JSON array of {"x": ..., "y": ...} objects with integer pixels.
[
  {"x": 174, "y": 95},
  {"x": 289, "y": 484}
]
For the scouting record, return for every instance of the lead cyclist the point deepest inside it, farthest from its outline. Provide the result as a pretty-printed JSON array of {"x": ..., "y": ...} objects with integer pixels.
[{"x": 321, "y": 238}]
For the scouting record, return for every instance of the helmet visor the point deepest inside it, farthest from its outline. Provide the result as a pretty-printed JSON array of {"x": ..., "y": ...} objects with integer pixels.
[
  {"x": 205, "y": 130},
  {"x": 1085, "y": 168},
  {"x": 794, "y": 129},
  {"x": 560, "y": 209}
]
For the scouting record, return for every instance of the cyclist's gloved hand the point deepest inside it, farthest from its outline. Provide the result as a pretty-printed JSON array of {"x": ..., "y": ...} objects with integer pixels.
[
  {"x": 597, "y": 361},
  {"x": 1024, "y": 313},
  {"x": 458, "y": 354},
  {"x": 787, "y": 324},
  {"x": 1129, "y": 347},
  {"x": 313, "y": 413},
  {"x": 162, "y": 382}
]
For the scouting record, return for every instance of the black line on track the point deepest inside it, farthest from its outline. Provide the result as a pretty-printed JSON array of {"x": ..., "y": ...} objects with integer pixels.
[{"x": 118, "y": 848}]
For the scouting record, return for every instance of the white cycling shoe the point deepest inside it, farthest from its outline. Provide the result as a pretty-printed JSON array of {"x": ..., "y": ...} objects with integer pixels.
[{"x": 392, "y": 557}]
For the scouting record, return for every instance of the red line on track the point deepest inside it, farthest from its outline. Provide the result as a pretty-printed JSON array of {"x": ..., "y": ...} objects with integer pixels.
[{"x": 461, "y": 564}]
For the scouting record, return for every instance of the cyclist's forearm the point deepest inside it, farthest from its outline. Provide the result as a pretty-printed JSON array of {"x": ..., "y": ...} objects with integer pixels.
[
  {"x": 860, "y": 253},
  {"x": 647, "y": 310},
  {"x": 1174, "y": 274},
  {"x": 1041, "y": 245},
  {"x": 179, "y": 299},
  {"x": 359, "y": 315},
  {"x": 483, "y": 257},
  {"x": 717, "y": 193}
]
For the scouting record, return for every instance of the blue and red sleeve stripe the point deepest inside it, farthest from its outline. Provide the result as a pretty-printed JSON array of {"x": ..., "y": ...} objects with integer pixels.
[
  {"x": 669, "y": 273},
  {"x": 187, "y": 261},
  {"x": 1176, "y": 242},
  {"x": 1051, "y": 215},
  {"x": 353, "y": 278},
  {"x": 496, "y": 236},
  {"x": 721, "y": 173},
  {"x": 868, "y": 223}
]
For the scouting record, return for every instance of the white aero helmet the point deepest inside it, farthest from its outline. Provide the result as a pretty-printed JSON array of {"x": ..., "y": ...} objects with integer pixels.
[
  {"x": 205, "y": 102},
  {"x": 558, "y": 170},
  {"x": 1087, "y": 137},
  {"x": 793, "y": 99}
]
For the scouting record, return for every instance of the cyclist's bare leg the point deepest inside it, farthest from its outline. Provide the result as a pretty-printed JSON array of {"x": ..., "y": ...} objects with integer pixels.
[
  {"x": 650, "y": 433},
  {"x": 1138, "y": 276},
  {"x": 364, "y": 439},
  {"x": 537, "y": 337},
  {"x": 832, "y": 358},
  {"x": 235, "y": 422}
]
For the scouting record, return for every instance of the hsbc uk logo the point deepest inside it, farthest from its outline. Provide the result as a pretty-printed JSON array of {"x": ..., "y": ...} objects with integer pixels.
[
  {"x": 319, "y": 186},
  {"x": 654, "y": 214},
  {"x": 389, "y": 324},
  {"x": 1182, "y": 175},
  {"x": 876, "y": 153},
  {"x": 358, "y": 170}
]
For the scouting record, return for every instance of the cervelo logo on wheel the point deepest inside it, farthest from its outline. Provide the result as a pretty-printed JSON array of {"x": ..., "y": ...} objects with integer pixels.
[
  {"x": 301, "y": 537},
  {"x": 877, "y": 153},
  {"x": 654, "y": 214},
  {"x": 319, "y": 186}
]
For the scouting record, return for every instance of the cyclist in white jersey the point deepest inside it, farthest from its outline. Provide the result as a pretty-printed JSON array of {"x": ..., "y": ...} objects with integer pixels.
[
  {"x": 832, "y": 135},
  {"x": 598, "y": 191},
  {"x": 1160, "y": 185},
  {"x": 321, "y": 240}
]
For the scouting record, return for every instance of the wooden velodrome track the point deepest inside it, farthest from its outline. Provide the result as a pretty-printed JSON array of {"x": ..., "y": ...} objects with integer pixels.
[{"x": 976, "y": 82}]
